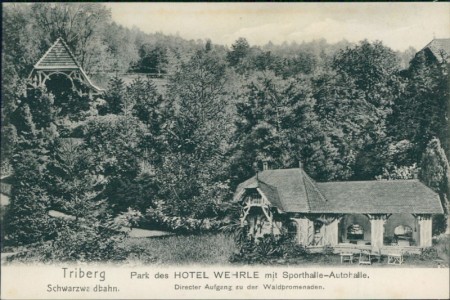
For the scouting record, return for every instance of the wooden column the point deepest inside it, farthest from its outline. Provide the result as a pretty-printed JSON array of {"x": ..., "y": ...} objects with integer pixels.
[
  {"x": 331, "y": 233},
  {"x": 377, "y": 230},
  {"x": 305, "y": 231},
  {"x": 416, "y": 231},
  {"x": 425, "y": 230}
]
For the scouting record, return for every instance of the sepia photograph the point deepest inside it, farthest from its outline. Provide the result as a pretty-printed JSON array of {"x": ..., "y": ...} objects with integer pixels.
[{"x": 225, "y": 150}]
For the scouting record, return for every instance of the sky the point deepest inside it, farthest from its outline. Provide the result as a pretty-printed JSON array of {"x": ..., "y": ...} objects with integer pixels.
[{"x": 398, "y": 25}]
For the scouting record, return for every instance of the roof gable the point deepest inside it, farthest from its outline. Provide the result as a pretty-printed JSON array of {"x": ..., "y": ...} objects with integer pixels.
[
  {"x": 292, "y": 190},
  {"x": 440, "y": 48},
  {"x": 271, "y": 193},
  {"x": 57, "y": 56}
]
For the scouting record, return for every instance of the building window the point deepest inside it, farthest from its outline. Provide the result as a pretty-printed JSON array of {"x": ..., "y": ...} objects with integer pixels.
[{"x": 355, "y": 232}]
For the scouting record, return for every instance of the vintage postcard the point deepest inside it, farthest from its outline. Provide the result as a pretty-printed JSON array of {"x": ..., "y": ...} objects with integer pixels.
[{"x": 225, "y": 151}]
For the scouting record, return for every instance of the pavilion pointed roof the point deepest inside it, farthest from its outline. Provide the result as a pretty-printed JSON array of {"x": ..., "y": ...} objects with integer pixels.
[{"x": 58, "y": 56}]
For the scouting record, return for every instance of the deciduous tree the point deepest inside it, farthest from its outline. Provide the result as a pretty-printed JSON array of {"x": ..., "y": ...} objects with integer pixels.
[{"x": 435, "y": 173}]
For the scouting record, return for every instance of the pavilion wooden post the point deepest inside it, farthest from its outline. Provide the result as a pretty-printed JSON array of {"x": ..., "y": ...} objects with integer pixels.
[
  {"x": 377, "y": 222},
  {"x": 425, "y": 230},
  {"x": 331, "y": 235},
  {"x": 305, "y": 230}
]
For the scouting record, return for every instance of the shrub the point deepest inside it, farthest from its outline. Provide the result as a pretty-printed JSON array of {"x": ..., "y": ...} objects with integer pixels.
[
  {"x": 442, "y": 246},
  {"x": 204, "y": 249},
  {"x": 247, "y": 253},
  {"x": 268, "y": 249},
  {"x": 131, "y": 218},
  {"x": 233, "y": 228},
  {"x": 26, "y": 219},
  {"x": 83, "y": 240},
  {"x": 429, "y": 254},
  {"x": 291, "y": 249},
  {"x": 185, "y": 225}
]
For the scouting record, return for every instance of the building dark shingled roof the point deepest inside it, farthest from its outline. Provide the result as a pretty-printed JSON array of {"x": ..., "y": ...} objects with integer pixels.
[
  {"x": 440, "y": 48},
  {"x": 292, "y": 190},
  {"x": 289, "y": 185},
  {"x": 385, "y": 196},
  {"x": 272, "y": 194}
]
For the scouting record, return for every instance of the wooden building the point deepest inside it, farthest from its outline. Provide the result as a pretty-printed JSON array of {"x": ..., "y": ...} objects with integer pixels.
[
  {"x": 373, "y": 215},
  {"x": 59, "y": 71},
  {"x": 437, "y": 50}
]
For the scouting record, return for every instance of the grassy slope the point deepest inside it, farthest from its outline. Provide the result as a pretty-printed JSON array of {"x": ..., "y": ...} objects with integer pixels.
[{"x": 177, "y": 250}]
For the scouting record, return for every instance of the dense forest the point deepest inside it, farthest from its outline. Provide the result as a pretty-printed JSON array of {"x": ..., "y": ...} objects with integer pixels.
[{"x": 171, "y": 158}]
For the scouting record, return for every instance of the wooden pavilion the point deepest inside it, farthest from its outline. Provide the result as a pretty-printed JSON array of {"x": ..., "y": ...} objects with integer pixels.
[
  {"x": 374, "y": 215},
  {"x": 59, "y": 69}
]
